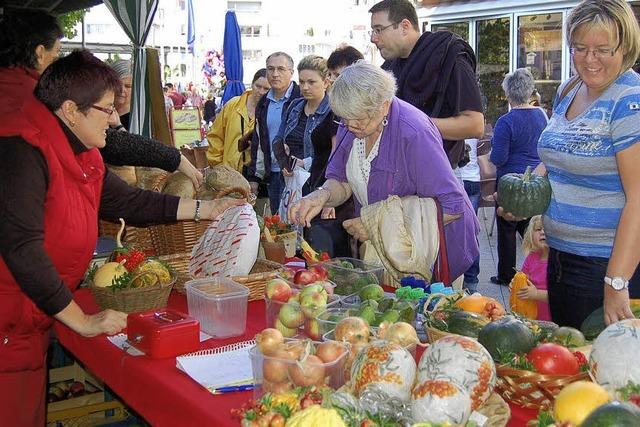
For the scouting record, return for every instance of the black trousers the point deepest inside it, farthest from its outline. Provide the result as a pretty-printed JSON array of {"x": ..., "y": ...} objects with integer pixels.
[
  {"x": 575, "y": 285},
  {"x": 507, "y": 246}
]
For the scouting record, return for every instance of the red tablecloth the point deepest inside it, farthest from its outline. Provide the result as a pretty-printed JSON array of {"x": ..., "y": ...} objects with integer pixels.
[
  {"x": 161, "y": 393},
  {"x": 156, "y": 389}
]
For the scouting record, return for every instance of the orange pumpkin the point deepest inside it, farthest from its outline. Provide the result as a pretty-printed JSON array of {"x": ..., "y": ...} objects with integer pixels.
[
  {"x": 486, "y": 306},
  {"x": 527, "y": 308}
]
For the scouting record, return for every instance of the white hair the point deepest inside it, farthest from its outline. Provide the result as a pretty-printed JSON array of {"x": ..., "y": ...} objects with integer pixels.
[
  {"x": 361, "y": 89},
  {"x": 518, "y": 86}
]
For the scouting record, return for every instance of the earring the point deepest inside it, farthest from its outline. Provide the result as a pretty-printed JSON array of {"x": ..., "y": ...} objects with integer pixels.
[
  {"x": 385, "y": 122},
  {"x": 72, "y": 124}
]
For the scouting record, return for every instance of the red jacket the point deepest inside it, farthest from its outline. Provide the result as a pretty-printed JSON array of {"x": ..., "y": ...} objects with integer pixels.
[{"x": 70, "y": 229}]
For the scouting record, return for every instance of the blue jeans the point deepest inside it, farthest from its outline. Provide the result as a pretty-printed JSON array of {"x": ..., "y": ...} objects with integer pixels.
[
  {"x": 275, "y": 188},
  {"x": 472, "y": 189},
  {"x": 576, "y": 286}
]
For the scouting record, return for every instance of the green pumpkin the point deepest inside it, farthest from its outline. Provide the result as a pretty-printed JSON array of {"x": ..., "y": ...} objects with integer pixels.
[
  {"x": 506, "y": 335},
  {"x": 524, "y": 195},
  {"x": 614, "y": 414},
  {"x": 594, "y": 323}
]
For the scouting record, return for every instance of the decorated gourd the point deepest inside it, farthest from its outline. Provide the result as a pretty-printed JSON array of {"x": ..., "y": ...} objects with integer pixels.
[
  {"x": 613, "y": 361},
  {"x": 316, "y": 416},
  {"x": 463, "y": 361},
  {"x": 506, "y": 335},
  {"x": 440, "y": 401},
  {"x": 524, "y": 195},
  {"x": 386, "y": 364},
  {"x": 524, "y": 307}
]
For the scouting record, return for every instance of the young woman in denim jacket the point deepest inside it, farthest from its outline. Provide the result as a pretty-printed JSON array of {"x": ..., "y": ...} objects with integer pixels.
[{"x": 308, "y": 131}]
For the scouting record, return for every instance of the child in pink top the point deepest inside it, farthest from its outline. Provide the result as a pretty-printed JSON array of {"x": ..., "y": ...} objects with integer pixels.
[{"x": 534, "y": 245}]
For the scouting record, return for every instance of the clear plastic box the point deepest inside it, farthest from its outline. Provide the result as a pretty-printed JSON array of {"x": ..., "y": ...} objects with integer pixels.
[
  {"x": 349, "y": 280},
  {"x": 292, "y": 373},
  {"x": 330, "y": 336},
  {"x": 353, "y": 302},
  {"x": 309, "y": 326},
  {"x": 219, "y": 304}
]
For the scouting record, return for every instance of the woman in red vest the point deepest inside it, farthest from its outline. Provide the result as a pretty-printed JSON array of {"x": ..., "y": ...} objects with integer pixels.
[{"x": 53, "y": 189}]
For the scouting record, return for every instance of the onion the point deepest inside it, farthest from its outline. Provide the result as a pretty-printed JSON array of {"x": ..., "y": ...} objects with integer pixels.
[
  {"x": 269, "y": 341},
  {"x": 400, "y": 333},
  {"x": 274, "y": 368},
  {"x": 307, "y": 372},
  {"x": 276, "y": 388},
  {"x": 353, "y": 330},
  {"x": 330, "y": 351}
]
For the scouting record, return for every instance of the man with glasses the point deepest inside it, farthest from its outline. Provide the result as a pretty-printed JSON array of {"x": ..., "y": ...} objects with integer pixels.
[
  {"x": 269, "y": 112},
  {"x": 435, "y": 72}
]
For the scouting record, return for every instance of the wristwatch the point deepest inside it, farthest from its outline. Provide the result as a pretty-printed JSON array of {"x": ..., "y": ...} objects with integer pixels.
[{"x": 618, "y": 283}]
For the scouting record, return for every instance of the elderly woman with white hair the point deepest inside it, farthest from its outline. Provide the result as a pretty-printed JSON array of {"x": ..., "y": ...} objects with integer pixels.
[
  {"x": 514, "y": 147},
  {"x": 386, "y": 147}
]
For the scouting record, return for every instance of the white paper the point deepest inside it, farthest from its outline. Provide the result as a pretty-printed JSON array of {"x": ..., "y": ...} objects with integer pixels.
[
  {"x": 218, "y": 370},
  {"x": 120, "y": 341}
]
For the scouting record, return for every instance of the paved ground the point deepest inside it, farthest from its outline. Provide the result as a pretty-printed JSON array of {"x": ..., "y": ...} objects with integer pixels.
[{"x": 489, "y": 258}]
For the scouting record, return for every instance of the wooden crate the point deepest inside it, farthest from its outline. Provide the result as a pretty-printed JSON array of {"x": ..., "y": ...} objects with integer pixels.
[{"x": 87, "y": 410}]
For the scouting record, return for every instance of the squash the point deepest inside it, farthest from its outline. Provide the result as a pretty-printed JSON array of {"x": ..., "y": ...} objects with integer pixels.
[
  {"x": 462, "y": 360},
  {"x": 316, "y": 416},
  {"x": 613, "y": 361},
  {"x": 613, "y": 414},
  {"x": 506, "y": 335},
  {"x": 576, "y": 401},
  {"x": 594, "y": 323},
  {"x": 524, "y": 195},
  {"x": 458, "y": 322},
  {"x": 486, "y": 306},
  {"x": 526, "y": 308}
]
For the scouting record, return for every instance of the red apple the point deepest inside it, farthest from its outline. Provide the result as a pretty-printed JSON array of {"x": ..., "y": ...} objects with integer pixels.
[
  {"x": 278, "y": 290},
  {"x": 312, "y": 329},
  {"x": 320, "y": 272},
  {"x": 328, "y": 286},
  {"x": 291, "y": 315},
  {"x": 304, "y": 277}
]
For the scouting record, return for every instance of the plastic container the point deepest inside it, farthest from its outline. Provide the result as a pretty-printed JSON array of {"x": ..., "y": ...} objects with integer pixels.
[
  {"x": 407, "y": 309},
  {"x": 304, "y": 317},
  {"x": 293, "y": 373},
  {"x": 350, "y": 280},
  {"x": 328, "y": 319},
  {"x": 330, "y": 336},
  {"x": 219, "y": 304}
]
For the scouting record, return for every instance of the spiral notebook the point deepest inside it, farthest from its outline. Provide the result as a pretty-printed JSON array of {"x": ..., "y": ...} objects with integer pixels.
[{"x": 219, "y": 367}]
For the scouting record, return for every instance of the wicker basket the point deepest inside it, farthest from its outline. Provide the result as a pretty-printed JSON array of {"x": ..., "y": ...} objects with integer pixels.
[
  {"x": 530, "y": 389},
  {"x": 434, "y": 334},
  {"x": 496, "y": 410},
  {"x": 131, "y": 300},
  {"x": 290, "y": 241}
]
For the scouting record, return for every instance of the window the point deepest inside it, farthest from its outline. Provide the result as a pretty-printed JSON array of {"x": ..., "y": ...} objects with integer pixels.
[
  {"x": 251, "y": 54},
  {"x": 98, "y": 28},
  {"x": 250, "y": 30},
  {"x": 492, "y": 51},
  {"x": 459, "y": 28},
  {"x": 306, "y": 49},
  {"x": 245, "y": 6},
  {"x": 540, "y": 50}
]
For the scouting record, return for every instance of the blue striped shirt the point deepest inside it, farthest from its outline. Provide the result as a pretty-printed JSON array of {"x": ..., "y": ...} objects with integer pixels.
[{"x": 579, "y": 154}]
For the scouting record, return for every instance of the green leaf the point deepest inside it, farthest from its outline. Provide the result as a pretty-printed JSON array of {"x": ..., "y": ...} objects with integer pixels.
[{"x": 69, "y": 20}]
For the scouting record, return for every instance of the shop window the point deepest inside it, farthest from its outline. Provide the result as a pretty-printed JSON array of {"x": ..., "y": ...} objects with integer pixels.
[
  {"x": 492, "y": 51},
  {"x": 459, "y": 28},
  {"x": 540, "y": 50}
]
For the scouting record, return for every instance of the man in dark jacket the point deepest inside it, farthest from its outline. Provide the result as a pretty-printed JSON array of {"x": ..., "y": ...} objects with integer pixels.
[
  {"x": 435, "y": 72},
  {"x": 269, "y": 113}
]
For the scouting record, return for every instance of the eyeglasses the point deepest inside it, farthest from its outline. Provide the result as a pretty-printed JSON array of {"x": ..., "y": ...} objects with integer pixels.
[
  {"x": 107, "y": 111},
  {"x": 599, "y": 53},
  {"x": 378, "y": 30},
  {"x": 345, "y": 123},
  {"x": 280, "y": 70}
]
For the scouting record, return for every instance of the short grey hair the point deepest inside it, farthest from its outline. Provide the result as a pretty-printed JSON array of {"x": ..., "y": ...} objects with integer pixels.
[
  {"x": 361, "y": 89},
  {"x": 518, "y": 86},
  {"x": 122, "y": 67},
  {"x": 286, "y": 55}
]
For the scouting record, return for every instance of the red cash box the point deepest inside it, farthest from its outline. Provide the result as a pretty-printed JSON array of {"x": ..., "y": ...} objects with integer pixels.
[{"x": 163, "y": 333}]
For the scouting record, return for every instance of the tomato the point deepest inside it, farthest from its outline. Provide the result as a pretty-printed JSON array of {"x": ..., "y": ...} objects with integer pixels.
[
  {"x": 275, "y": 218},
  {"x": 553, "y": 359}
]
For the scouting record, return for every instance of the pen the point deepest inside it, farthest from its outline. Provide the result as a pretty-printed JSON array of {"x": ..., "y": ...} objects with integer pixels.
[{"x": 231, "y": 389}]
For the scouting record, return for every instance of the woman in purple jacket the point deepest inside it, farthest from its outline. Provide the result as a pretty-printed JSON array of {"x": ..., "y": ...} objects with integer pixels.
[{"x": 386, "y": 147}]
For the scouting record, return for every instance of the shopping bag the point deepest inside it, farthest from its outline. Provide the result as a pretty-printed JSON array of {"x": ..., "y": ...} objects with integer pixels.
[{"x": 292, "y": 191}]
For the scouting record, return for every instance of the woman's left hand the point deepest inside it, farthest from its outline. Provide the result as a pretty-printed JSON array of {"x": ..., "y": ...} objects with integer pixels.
[
  {"x": 616, "y": 305},
  {"x": 190, "y": 171},
  {"x": 210, "y": 209},
  {"x": 355, "y": 227}
]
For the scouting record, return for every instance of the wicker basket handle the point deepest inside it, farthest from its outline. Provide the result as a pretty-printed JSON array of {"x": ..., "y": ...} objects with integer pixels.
[{"x": 246, "y": 194}]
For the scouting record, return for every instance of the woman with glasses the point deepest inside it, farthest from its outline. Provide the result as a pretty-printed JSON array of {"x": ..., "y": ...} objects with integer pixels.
[
  {"x": 29, "y": 43},
  {"x": 386, "y": 147},
  {"x": 53, "y": 189},
  {"x": 590, "y": 152}
]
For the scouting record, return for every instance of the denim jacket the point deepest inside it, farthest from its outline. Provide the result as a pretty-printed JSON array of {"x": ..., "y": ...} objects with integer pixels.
[{"x": 289, "y": 124}]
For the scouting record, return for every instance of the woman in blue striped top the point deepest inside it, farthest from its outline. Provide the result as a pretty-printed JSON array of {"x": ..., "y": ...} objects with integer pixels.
[{"x": 591, "y": 153}]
